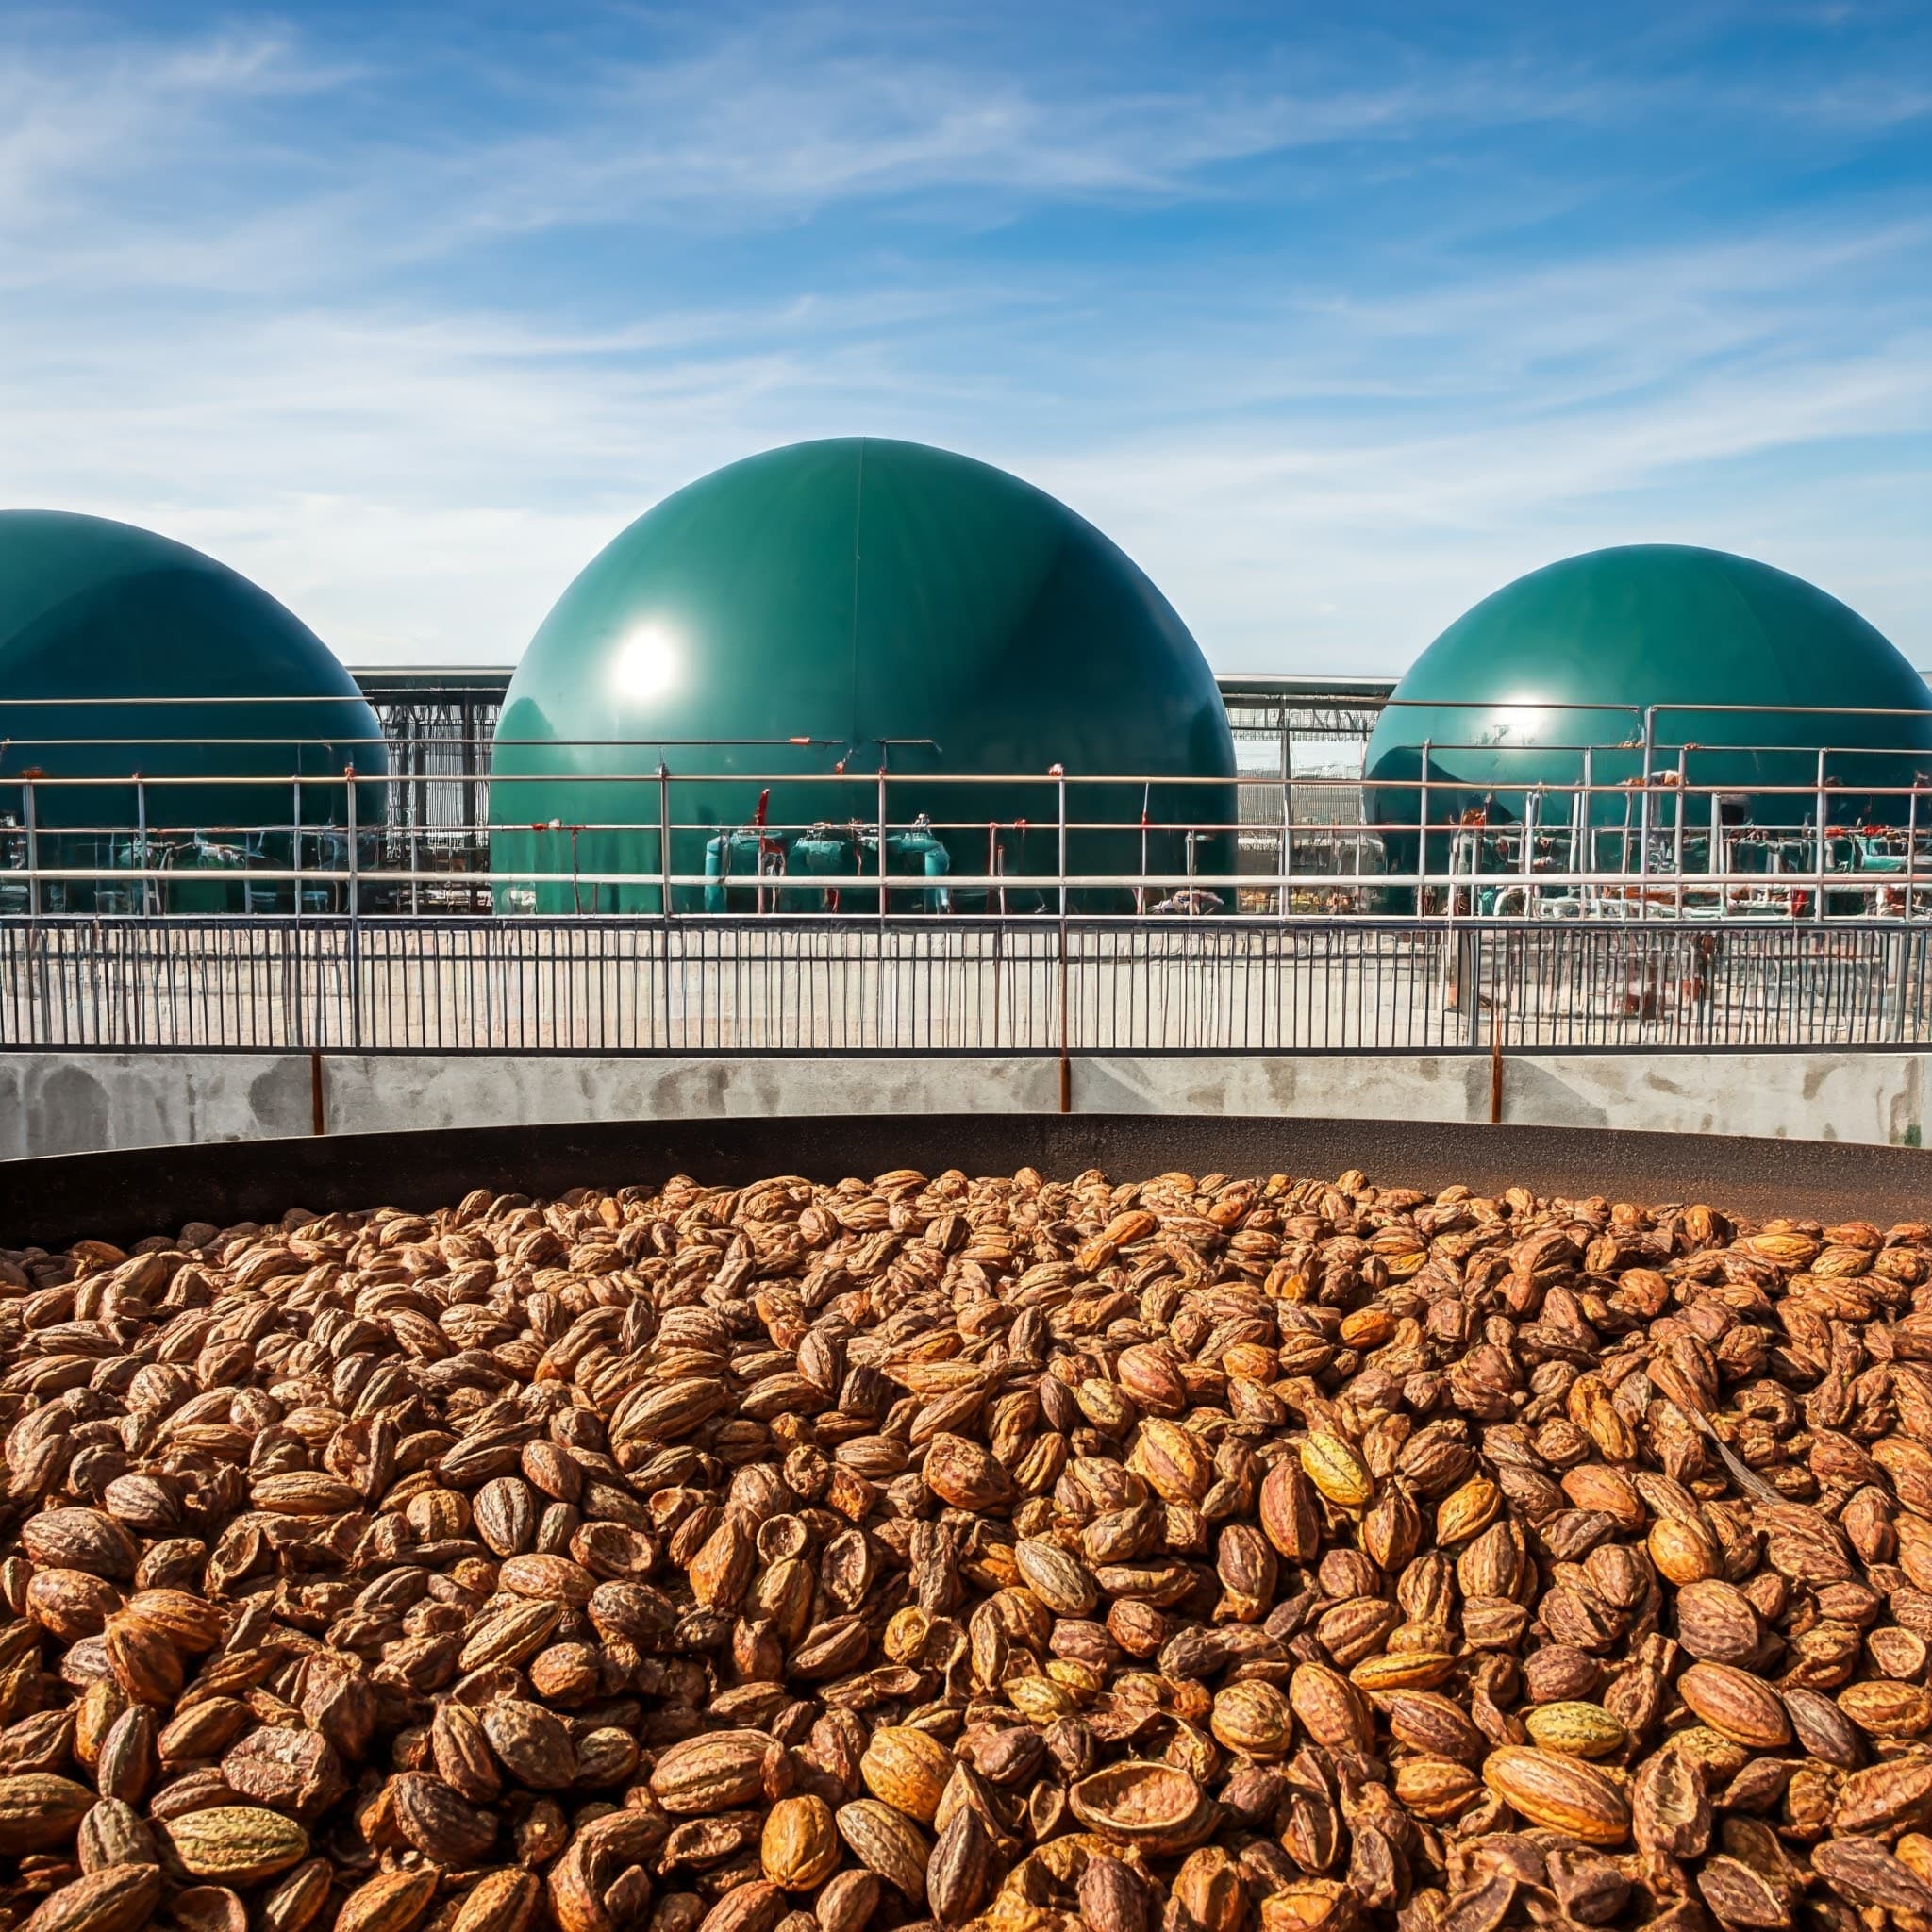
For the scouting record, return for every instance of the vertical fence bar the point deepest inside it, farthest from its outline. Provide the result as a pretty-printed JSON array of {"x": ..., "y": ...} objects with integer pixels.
[{"x": 1892, "y": 986}]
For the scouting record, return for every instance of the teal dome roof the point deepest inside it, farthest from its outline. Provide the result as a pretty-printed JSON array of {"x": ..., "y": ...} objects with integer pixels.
[
  {"x": 94, "y": 609},
  {"x": 892, "y": 604},
  {"x": 1498, "y": 698}
]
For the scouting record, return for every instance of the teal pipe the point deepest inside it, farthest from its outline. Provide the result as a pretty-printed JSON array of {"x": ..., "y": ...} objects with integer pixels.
[
  {"x": 721, "y": 851},
  {"x": 936, "y": 860}
]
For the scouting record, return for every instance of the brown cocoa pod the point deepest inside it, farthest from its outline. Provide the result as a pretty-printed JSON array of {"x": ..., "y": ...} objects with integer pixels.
[
  {"x": 39, "y": 1811},
  {"x": 1113, "y": 1897},
  {"x": 959, "y": 1878},
  {"x": 119, "y": 1898},
  {"x": 800, "y": 1847},
  {"x": 886, "y": 1841}
]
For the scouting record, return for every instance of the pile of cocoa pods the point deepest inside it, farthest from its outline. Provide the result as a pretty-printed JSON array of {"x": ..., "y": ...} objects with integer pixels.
[{"x": 1193, "y": 1555}]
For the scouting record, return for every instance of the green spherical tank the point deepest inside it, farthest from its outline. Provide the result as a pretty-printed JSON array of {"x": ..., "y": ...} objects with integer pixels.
[
  {"x": 1502, "y": 702},
  {"x": 840, "y": 606},
  {"x": 97, "y": 616}
]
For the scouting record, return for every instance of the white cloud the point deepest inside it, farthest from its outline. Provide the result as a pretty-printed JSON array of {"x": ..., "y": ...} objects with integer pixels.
[{"x": 413, "y": 380}]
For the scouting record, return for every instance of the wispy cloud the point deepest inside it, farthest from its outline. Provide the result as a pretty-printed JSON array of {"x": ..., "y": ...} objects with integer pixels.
[
  {"x": 1333, "y": 331},
  {"x": 112, "y": 118}
]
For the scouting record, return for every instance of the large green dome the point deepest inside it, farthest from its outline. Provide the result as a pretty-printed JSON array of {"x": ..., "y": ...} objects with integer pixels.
[
  {"x": 891, "y": 603},
  {"x": 1496, "y": 699},
  {"x": 94, "y": 609}
]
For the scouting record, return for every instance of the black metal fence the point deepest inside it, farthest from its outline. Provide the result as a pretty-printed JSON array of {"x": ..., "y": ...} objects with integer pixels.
[{"x": 776, "y": 986}]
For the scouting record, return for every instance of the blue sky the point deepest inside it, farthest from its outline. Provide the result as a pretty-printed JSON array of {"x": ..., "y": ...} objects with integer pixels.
[{"x": 1336, "y": 318}]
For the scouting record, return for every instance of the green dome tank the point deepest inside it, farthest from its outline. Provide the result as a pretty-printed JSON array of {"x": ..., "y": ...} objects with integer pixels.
[
  {"x": 1498, "y": 698},
  {"x": 96, "y": 610},
  {"x": 892, "y": 604}
]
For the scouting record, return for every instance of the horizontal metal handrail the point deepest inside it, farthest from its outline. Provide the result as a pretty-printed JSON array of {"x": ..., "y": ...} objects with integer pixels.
[
  {"x": 1666, "y": 781},
  {"x": 1674, "y": 855}
]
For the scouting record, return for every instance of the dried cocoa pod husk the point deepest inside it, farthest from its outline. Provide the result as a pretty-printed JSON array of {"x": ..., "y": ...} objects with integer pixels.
[
  {"x": 961, "y": 1876},
  {"x": 499, "y": 1902},
  {"x": 619, "y": 1533},
  {"x": 234, "y": 1844},
  {"x": 117, "y": 1898},
  {"x": 1559, "y": 1792},
  {"x": 295, "y": 1900},
  {"x": 39, "y": 1811},
  {"x": 1738, "y": 1706},
  {"x": 392, "y": 1901},
  {"x": 886, "y": 1841}
]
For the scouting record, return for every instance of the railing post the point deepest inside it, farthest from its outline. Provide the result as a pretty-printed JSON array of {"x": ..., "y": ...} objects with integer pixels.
[
  {"x": 664, "y": 898},
  {"x": 1284, "y": 891},
  {"x": 1677, "y": 828},
  {"x": 33, "y": 849},
  {"x": 1582, "y": 846},
  {"x": 664, "y": 843},
  {"x": 1287, "y": 816},
  {"x": 1913, "y": 847},
  {"x": 1059, "y": 772},
  {"x": 354, "y": 914},
  {"x": 1421, "y": 843},
  {"x": 349, "y": 821},
  {"x": 300, "y": 1016},
  {"x": 1818, "y": 903},
  {"x": 1146, "y": 814},
  {"x": 882, "y": 851},
  {"x": 416, "y": 807},
  {"x": 141, "y": 840},
  {"x": 1532, "y": 820},
  {"x": 1718, "y": 859},
  {"x": 1643, "y": 815}
]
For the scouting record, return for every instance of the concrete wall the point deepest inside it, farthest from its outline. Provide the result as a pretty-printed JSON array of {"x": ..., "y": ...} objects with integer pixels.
[
  {"x": 53, "y": 1103},
  {"x": 77, "y": 1103}
]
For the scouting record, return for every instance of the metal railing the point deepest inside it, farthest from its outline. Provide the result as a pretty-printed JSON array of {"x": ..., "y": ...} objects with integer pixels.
[
  {"x": 1663, "y": 849},
  {"x": 1648, "y": 827},
  {"x": 782, "y": 984}
]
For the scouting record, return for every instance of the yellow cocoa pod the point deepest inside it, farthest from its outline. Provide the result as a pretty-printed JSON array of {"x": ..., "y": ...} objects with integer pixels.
[
  {"x": 1578, "y": 1731},
  {"x": 1337, "y": 1471}
]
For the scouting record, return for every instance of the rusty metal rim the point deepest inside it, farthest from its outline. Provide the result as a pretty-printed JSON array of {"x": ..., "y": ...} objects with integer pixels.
[{"x": 124, "y": 1195}]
